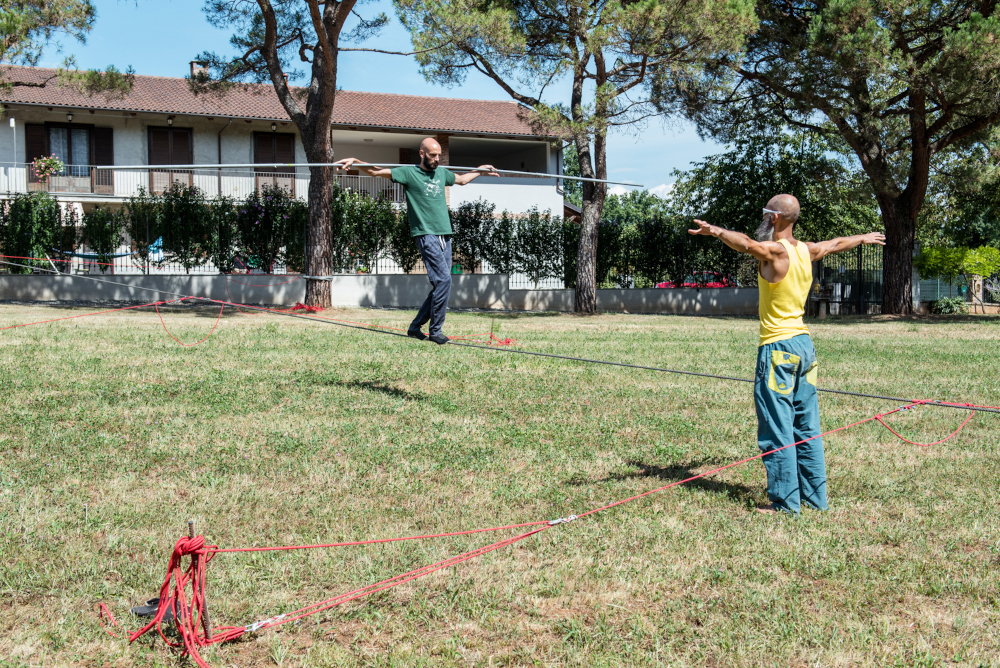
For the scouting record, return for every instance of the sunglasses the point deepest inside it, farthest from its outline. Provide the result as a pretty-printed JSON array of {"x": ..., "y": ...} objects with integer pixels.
[{"x": 777, "y": 213}]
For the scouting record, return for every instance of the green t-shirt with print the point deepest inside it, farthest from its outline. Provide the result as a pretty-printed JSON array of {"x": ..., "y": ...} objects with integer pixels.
[{"x": 426, "y": 206}]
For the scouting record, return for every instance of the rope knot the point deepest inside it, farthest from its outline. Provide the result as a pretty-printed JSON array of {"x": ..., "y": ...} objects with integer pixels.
[{"x": 186, "y": 546}]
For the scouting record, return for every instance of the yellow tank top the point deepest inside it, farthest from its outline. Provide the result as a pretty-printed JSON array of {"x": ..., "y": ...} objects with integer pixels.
[{"x": 782, "y": 304}]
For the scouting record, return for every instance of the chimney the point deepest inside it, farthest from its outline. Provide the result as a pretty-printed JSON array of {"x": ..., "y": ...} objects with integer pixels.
[
  {"x": 198, "y": 67},
  {"x": 286, "y": 77}
]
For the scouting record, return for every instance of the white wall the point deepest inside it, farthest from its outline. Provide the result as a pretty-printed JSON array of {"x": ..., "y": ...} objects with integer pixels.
[
  {"x": 485, "y": 291},
  {"x": 514, "y": 195}
]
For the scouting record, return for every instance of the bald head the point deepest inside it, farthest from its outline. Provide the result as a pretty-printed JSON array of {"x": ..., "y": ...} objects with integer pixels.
[
  {"x": 430, "y": 153},
  {"x": 787, "y": 205}
]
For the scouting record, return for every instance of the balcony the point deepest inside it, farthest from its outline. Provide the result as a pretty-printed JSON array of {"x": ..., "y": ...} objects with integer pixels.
[{"x": 109, "y": 184}]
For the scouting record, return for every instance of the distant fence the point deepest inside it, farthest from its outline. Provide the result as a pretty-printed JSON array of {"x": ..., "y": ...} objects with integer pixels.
[
  {"x": 182, "y": 231},
  {"x": 851, "y": 282}
]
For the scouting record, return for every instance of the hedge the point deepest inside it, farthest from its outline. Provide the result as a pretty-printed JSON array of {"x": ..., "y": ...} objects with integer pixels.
[{"x": 269, "y": 229}]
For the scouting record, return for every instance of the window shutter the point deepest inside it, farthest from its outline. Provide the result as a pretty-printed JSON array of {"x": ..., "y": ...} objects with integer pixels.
[
  {"x": 36, "y": 141},
  {"x": 104, "y": 146},
  {"x": 182, "y": 148},
  {"x": 263, "y": 147},
  {"x": 284, "y": 149},
  {"x": 159, "y": 146}
]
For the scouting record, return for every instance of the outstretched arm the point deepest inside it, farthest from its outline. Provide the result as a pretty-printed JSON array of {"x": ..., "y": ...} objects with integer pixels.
[
  {"x": 841, "y": 244},
  {"x": 347, "y": 163},
  {"x": 462, "y": 179},
  {"x": 765, "y": 251}
]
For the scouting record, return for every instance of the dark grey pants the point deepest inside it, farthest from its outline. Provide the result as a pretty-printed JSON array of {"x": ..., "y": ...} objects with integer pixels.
[{"x": 436, "y": 252}]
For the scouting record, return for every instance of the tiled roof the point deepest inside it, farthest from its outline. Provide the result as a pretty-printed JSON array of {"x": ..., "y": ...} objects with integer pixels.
[{"x": 173, "y": 96}]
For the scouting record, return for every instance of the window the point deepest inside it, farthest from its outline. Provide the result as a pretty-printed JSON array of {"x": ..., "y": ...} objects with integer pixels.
[
  {"x": 79, "y": 147},
  {"x": 170, "y": 146},
  {"x": 279, "y": 148},
  {"x": 72, "y": 147}
]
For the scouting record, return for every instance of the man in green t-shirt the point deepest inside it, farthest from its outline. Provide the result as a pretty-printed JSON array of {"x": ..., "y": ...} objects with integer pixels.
[{"x": 430, "y": 226}]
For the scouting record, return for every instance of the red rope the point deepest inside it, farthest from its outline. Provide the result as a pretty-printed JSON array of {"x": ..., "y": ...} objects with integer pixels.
[
  {"x": 84, "y": 315},
  {"x": 299, "y": 306},
  {"x": 926, "y": 445},
  {"x": 187, "y": 345},
  {"x": 397, "y": 580},
  {"x": 102, "y": 612},
  {"x": 314, "y": 309}
]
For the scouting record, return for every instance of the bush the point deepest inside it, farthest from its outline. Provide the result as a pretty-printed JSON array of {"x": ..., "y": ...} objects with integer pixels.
[
  {"x": 184, "y": 216},
  {"x": 499, "y": 247},
  {"x": 369, "y": 224},
  {"x": 262, "y": 221},
  {"x": 472, "y": 223},
  {"x": 655, "y": 241},
  {"x": 401, "y": 246},
  {"x": 31, "y": 227},
  {"x": 539, "y": 245},
  {"x": 296, "y": 236},
  {"x": 104, "y": 232},
  {"x": 142, "y": 222},
  {"x": 340, "y": 254},
  {"x": 611, "y": 236},
  {"x": 949, "y": 306},
  {"x": 224, "y": 234},
  {"x": 570, "y": 243}
]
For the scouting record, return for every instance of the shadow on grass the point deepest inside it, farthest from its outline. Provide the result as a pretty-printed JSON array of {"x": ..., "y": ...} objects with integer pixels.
[
  {"x": 93, "y": 308},
  {"x": 748, "y": 496},
  {"x": 847, "y": 320},
  {"x": 381, "y": 388}
]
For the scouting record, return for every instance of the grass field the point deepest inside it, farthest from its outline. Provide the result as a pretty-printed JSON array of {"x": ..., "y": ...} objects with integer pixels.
[{"x": 281, "y": 431}]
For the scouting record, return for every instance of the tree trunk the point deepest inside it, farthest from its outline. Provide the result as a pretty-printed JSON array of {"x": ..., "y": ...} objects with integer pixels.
[
  {"x": 586, "y": 251},
  {"x": 594, "y": 195},
  {"x": 897, "y": 257},
  {"x": 318, "y": 248}
]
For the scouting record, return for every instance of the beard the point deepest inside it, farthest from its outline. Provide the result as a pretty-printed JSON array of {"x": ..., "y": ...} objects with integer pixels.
[
  {"x": 429, "y": 165},
  {"x": 766, "y": 231}
]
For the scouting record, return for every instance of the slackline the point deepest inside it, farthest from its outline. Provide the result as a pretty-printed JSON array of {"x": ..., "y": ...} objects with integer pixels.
[{"x": 569, "y": 358}]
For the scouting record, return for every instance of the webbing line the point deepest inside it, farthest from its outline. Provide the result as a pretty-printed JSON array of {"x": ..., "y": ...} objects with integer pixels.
[
  {"x": 610, "y": 363},
  {"x": 510, "y": 350},
  {"x": 709, "y": 375}
]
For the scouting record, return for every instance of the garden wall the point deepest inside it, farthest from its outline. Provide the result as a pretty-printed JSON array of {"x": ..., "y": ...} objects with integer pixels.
[
  {"x": 486, "y": 291},
  {"x": 689, "y": 301}
]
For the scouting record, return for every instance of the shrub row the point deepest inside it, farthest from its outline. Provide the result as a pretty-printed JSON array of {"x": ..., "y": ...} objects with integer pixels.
[{"x": 269, "y": 229}]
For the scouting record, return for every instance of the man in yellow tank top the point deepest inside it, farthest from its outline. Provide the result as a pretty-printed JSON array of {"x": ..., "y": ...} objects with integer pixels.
[{"x": 785, "y": 383}]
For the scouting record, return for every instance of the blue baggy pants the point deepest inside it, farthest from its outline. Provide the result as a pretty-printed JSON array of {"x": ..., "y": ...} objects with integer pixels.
[
  {"x": 436, "y": 252},
  {"x": 787, "y": 412}
]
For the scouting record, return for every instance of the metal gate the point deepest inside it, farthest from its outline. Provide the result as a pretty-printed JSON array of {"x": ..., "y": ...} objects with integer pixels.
[{"x": 851, "y": 281}]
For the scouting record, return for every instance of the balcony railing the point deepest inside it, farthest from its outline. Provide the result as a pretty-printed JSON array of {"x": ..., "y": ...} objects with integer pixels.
[{"x": 119, "y": 184}]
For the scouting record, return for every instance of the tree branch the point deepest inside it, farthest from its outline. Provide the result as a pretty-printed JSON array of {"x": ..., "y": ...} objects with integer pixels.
[
  {"x": 321, "y": 36},
  {"x": 398, "y": 53}
]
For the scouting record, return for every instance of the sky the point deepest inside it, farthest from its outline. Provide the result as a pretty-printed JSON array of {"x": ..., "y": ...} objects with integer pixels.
[{"x": 160, "y": 38}]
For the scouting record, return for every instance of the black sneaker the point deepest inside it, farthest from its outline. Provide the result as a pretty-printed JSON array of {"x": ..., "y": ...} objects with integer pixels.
[
  {"x": 416, "y": 334},
  {"x": 439, "y": 338}
]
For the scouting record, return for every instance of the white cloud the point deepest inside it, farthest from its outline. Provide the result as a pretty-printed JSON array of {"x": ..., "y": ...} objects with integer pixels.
[
  {"x": 663, "y": 190},
  {"x": 617, "y": 190}
]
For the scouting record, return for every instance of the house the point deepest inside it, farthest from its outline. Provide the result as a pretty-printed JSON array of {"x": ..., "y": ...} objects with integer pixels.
[{"x": 162, "y": 122}]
